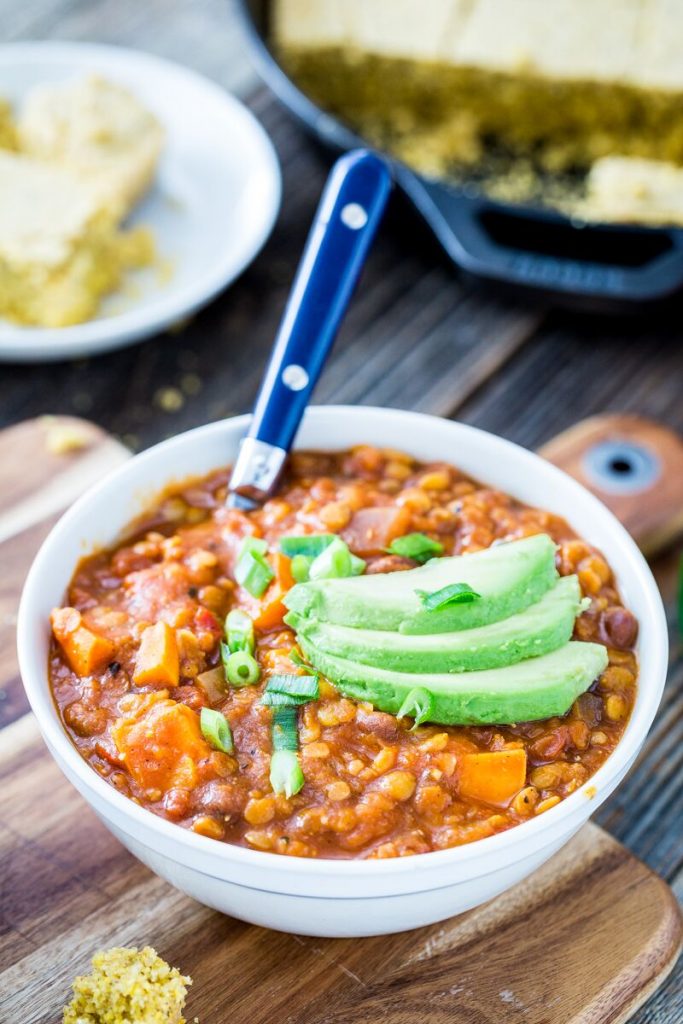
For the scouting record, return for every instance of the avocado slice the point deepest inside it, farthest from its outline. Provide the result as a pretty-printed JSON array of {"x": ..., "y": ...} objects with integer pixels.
[
  {"x": 534, "y": 689},
  {"x": 507, "y": 577},
  {"x": 541, "y": 628}
]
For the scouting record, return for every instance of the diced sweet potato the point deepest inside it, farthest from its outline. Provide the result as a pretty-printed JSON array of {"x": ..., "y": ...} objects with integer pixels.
[
  {"x": 372, "y": 529},
  {"x": 493, "y": 778},
  {"x": 157, "y": 662},
  {"x": 160, "y": 743},
  {"x": 86, "y": 651},
  {"x": 272, "y": 609}
]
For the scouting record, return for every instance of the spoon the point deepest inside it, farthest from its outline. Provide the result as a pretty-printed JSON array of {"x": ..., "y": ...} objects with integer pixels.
[{"x": 343, "y": 229}]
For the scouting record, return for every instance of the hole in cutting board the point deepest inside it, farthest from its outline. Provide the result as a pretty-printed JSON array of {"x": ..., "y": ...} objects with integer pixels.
[{"x": 621, "y": 467}]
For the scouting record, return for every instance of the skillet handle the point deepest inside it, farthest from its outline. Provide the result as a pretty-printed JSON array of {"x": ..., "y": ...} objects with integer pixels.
[
  {"x": 345, "y": 224},
  {"x": 605, "y": 264}
]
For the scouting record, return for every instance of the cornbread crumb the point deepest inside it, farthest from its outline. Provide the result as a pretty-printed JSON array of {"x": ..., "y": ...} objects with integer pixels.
[
  {"x": 169, "y": 399},
  {"x": 62, "y": 438},
  {"x": 8, "y": 131},
  {"x": 128, "y": 986}
]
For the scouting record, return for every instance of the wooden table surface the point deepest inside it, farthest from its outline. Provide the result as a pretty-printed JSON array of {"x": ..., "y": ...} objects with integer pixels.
[{"x": 417, "y": 337}]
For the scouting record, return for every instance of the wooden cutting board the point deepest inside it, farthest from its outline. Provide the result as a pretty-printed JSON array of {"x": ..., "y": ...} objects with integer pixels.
[{"x": 586, "y": 939}]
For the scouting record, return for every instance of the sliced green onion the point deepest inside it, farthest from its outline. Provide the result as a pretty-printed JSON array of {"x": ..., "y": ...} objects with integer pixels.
[
  {"x": 333, "y": 563},
  {"x": 216, "y": 730},
  {"x": 299, "y": 567},
  {"x": 419, "y": 704},
  {"x": 311, "y": 545},
  {"x": 286, "y": 775},
  {"x": 357, "y": 565},
  {"x": 454, "y": 593},
  {"x": 253, "y": 572},
  {"x": 297, "y": 686},
  {"x": 284, "y": 732},
  {"x": 272, "y": 699},
  {"x": 296, "y": 659},
  {"x": 256, "y": 545},
  {"x": 239, "y": 631},
  {"x": 241, "y": 667},
  {"x": 417, "y": 546}
]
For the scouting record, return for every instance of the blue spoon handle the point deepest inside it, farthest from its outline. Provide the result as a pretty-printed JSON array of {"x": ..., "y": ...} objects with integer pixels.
[{"x": 345, "y": 224}]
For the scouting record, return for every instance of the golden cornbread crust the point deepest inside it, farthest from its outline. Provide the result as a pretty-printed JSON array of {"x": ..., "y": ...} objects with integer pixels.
[
  {"x": 439, "y": 114},
  {"x": 128, "y": 986}
]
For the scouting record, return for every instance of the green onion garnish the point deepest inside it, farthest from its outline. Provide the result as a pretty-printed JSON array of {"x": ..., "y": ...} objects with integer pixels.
[
  {"x": 419, "y": 704},
  {"x": 272, "y": 699},
  {"x": 252, "y": 570},
  {"x": 284, "y": 732},
  {"x": 333, "y": 563},
  {"x": 310, "y": 546},
  {"x": 417, "y": 546},
  {"x": 216, "y": 730},
  {"x": 239, "y": 631},
  {"x": 357, "y": 565},
  {"x": 296, "y": 659},
  {"x": 297, "y": 686},
  {"x": 286, "y": 775},
  {"x": 299, "y": 567},
  {"x": 241, "y": 667},
  {"x": 454, "y": 593},
  {"x": 257, "y": 545}
]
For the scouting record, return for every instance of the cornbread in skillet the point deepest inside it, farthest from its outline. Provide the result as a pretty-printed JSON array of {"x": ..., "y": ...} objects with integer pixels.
[
  {"x": 128, "y": 986},
  {"x": 560, "y": 83},
  {"x": 97, "y": 130},
  {"x": 59, "y": 251}
]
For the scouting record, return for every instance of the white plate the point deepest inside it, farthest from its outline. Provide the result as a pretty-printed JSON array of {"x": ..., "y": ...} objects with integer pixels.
[{"x": 214, "y": 203}]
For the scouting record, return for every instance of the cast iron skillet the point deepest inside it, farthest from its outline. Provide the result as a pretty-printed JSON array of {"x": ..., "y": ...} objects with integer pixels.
[{"x": 588, "y": 266}]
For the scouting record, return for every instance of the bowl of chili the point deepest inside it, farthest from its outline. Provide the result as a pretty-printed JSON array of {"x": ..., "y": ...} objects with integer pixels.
[{"x": 383, "y": 829}]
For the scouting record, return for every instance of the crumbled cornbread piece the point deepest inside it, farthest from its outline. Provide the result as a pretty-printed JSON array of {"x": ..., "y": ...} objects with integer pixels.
[
  {"x": 62, "y": 438},
  {"x": 169, "y": 399},
  {"x": 59, "y": 254},
  {"x": 128, "y": 986},
  {"x": 97, "y": 130},
  {"x": 8, "y": 132}
]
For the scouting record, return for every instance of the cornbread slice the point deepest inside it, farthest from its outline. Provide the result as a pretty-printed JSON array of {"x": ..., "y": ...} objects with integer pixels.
[
  {"x": 59, "y": 252},
  {"x": 128, "y": 986},
  {"x": 98, "y": 130},
  {"x": 567, "y": 81},
  {"x": 628, "y": 189}
]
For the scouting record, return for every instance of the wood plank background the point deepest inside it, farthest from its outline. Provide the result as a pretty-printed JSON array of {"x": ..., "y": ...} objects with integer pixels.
[{"x": 418, "y": 336}]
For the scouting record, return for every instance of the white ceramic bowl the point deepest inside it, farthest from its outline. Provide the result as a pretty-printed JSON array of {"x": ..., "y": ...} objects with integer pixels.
[{"x": 338, "y": 897}]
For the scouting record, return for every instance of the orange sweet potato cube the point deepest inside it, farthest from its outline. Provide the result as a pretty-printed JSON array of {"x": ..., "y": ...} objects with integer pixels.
[
  {"x": 86, "y": 651},
  {"x": 493, "y": 778},
  {"x": 157, "y": 662}
]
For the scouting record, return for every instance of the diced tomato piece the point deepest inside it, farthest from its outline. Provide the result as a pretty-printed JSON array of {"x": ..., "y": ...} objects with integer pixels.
[
  {"x": 371, "y": 530},
  {"x": 206, "y": 620}
]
